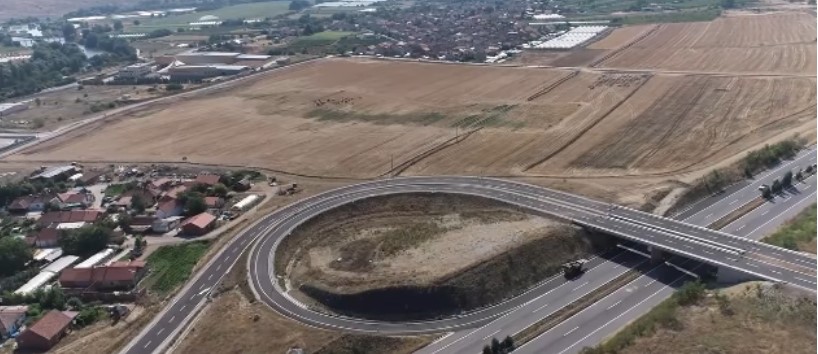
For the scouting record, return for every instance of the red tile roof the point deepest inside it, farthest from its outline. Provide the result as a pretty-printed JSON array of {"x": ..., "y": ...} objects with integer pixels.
[
  {"x": 52, "y": 324},
  {"x": 70, "y": 216},
  {"x": 168, "y": 206},
  {"x": 116, "y": 272},
  {"x": 201, "y": 221},
  {"x": 212, "y": 201},
  {"x": 46, "y": 235},
  {"x": 208, "y": 179}
]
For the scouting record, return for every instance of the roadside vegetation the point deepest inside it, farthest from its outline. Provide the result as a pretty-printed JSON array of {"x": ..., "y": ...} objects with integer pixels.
[
  {"x": 746, "y": 318},
  {"x": 799, "y": 234},
  {"x": 170, "y": 266}
]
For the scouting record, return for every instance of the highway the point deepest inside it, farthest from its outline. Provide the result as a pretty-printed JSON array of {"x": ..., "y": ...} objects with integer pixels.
[{"x": 620, "y": 221}]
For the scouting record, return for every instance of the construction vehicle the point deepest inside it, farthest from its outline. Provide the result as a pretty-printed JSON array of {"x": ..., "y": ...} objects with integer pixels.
[{"x": 574, "y": 269}]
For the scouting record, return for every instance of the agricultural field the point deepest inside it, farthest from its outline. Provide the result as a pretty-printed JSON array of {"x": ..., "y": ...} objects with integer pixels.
[
  {"x": 241, "y": 11},
  {"x": 363, "y": 118},
  {"x": 778, "y": 42}
]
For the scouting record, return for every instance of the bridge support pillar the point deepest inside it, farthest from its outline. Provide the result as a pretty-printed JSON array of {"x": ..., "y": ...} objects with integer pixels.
[
  {"x": 726, "y": 275},
  {"x": 656, "y": 255}
]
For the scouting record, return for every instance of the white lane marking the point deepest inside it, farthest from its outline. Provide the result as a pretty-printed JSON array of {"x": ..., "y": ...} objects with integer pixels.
[
  {"x": 807, "y": 186},
  {"x": 733, "y": 202},
  {"x": 539, "y": 308},
  {"x": 147, "y": 344},
  {"x": 172, "y": 318},
  {"x": 492, "y": 333},
  {"x": 741, "y": 227},
  {"x": 616, "y": 303},
  {"x": 650, "y": 283},
  {"x": 581, "y": 285},
  {"x": 210, "y": 277},
  {"x": 752, "y": 265},
  {"x": 219, "y": 267},
  {"x": 160, "y": 330},
  {"x": 806, "y": 280},
  {"x": 571, "y": 331},
  {"x": 709, "y": 216},
  {"x": 765, "y": 212},
  {"x": 775, "y": 271},
  {"x": 183, "y": 308},
  {"x": 708, "y": 251}
]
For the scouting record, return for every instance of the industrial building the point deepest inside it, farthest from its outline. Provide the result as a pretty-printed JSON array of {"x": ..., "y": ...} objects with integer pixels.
[
  {"x": 135, "y": 71},
  {"x": 202, "y": 58},
  {"x": 199, "y": 72},
  {"x": 568, "y": 39}
]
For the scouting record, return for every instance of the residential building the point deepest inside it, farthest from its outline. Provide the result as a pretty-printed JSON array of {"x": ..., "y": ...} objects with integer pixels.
[
  {"x": 168, "y": 208},
  {"x": 46, "y": 332},
  {"x": 27, "y": 204},
  {"x": 11, "y": 319},
  {"x": 166, "y": 224},
  {"x": 46, "y": 237},
  {"x": 198, "y": 225},
  {"x": 59, "y": 217},
  {"x": 214, "y": 202},
  {"x": 73, "y": 200},
  {"x": 207, "y": 179},
  {"x": 115, "y": 276}
]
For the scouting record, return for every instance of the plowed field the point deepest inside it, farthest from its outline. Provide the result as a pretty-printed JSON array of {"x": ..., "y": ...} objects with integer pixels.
[{"x": 759, "y": 43}]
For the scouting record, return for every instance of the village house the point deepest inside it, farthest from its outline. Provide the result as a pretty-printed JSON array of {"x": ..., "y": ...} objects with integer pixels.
[
  {"x": 54, "y": 218},
  {"x": 46, "y": 332},
  {"x": 73, "y": 200},
  {"x": 27, "y": 204},
  {"x": 207, "y": 179},
  {"x": 115, "y": 276},
  {"x": 45, "y": 238},
  {"x": 11, "y": 319},
  {"x": 198, "y": 225}
]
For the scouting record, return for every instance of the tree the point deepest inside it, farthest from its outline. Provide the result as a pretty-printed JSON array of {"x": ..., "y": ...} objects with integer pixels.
[
  {"x": 139, "y": 244},
  {"x": 220, "y": 190},
  {"x": 14, "y": 254},
  {"x": 487, "y": 350},
  {"x": 786, "y": 181},
  {"x": 69, "y": 32},
  {"x": 508, "y": 344},
  {"x": 776, "y": 187},
  {"x": 138, "y": 204},
  {"x": 728, "y": 4},
  {"x": 118, "y": 26},
  {"x": 799, "y": 176},
  {"x": 496, "y": 348},
  {"x": 53, "y": 298},
  {"x": 136, "y": 22},
  {"x": 298, "y": 5},
  {"x": 85, "y": 241},
  {"x": 194, "y": 203}
]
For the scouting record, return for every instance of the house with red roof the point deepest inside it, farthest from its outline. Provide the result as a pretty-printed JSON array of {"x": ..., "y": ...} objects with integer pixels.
[
  {"x": 46, "y": 332},
  {"x": 53, "y": 218},
  {"x": 46, "y": 237},
  {"x": 207, "y": 179},
  {"x": 27, "y": 204},
  {"x": 115, "y": 276},
  {"x": 199, "y": 224}
]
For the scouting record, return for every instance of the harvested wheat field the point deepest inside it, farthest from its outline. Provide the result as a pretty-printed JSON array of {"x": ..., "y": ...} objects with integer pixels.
[
  {"x": 678, "y": 123},
  {"x": 779, "y": 42},
  {"x": 365, "y": 118}
]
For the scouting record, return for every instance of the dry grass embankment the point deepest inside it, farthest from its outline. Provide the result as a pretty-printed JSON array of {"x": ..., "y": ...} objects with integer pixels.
[
  {"x": 422, "y": 255},
  {"x": 750, "y": 318}
]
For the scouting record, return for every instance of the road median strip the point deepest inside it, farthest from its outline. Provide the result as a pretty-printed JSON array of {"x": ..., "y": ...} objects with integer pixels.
[{"x": 736, "y": 214}]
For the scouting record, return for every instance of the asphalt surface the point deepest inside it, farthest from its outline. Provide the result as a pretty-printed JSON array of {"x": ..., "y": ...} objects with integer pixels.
[
  {"x": 630, "y": 224},
  {"x": 713, "y": 208},
  {"x": 765, "y": 219}
]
